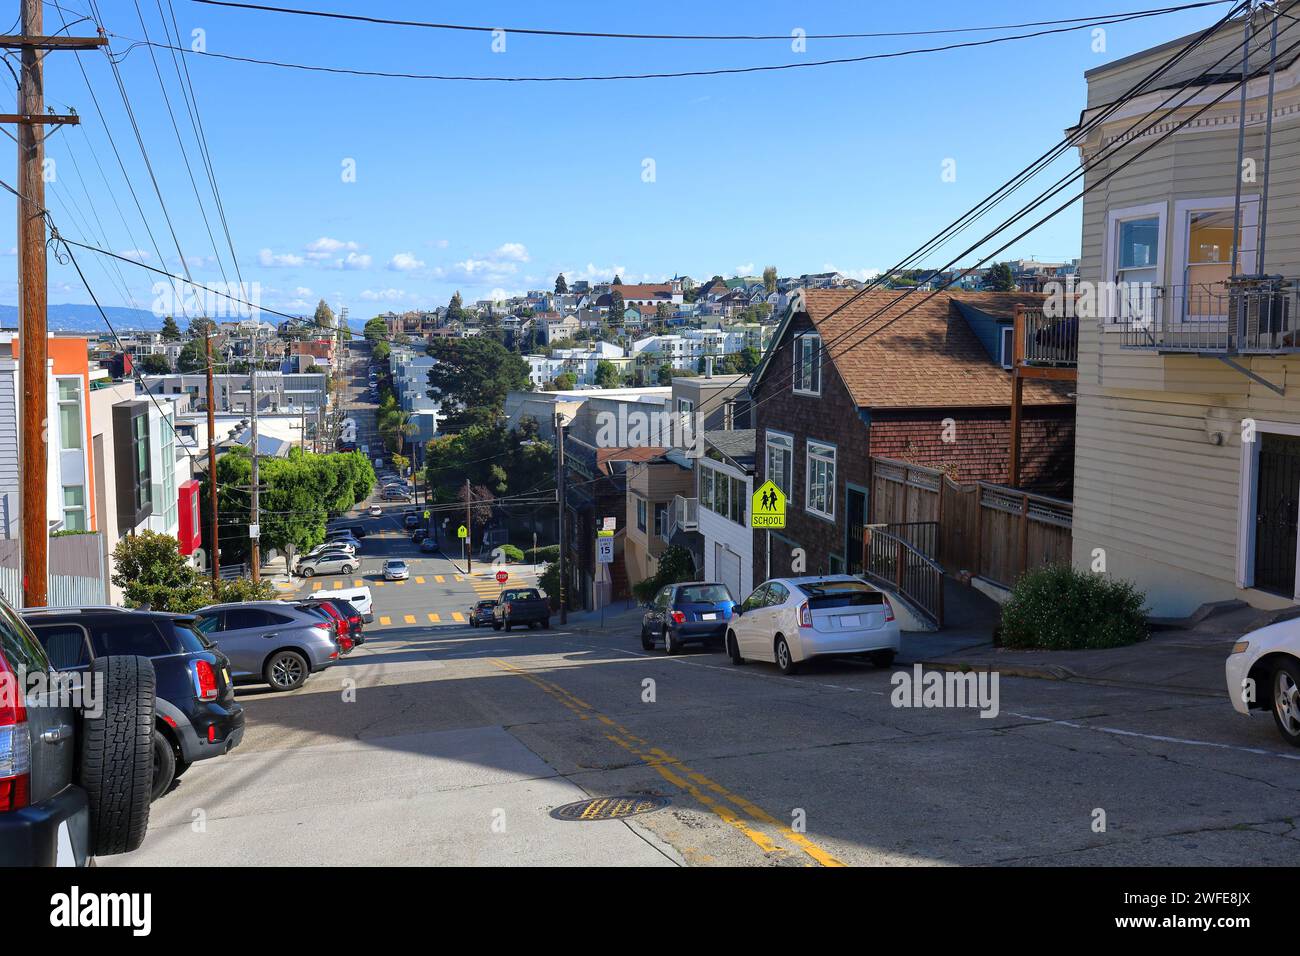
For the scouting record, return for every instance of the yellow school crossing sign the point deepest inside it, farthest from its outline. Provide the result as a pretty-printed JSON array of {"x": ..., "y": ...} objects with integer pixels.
[{"x": 767, "y": 510}]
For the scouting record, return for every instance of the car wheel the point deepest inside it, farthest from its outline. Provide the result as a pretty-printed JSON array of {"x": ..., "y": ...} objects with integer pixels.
[
  {"x": 285, "y": 670},
  {"x": 733, "y": 649},
  {"x": 181, "y": 767},
  {"x": 671, "y": 644},
  {"x": 1285, "y": 685},
  {"x": 115, "y": 754},
  {"x": 348, "y": 569},
  {"x": 883, "y": 658},
  {"x": 473, "y": 622},
  {"x": 164, "y": 765},
  {"x": 784, "y": 659},
  {"x": 647, "y": 642},
  {"x": 307, "y": 572}
]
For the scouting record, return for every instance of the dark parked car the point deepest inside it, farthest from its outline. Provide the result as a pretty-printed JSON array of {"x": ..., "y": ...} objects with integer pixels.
[
  {"x": 358, "y": 531},
  {"x": 196, "y": 715},
  {"x": 74, "y": 783},
  {"x": 337, "y": 623},
  {"x": 278, "y": 642},
  {"x": 521, "y": 606},
  {"x": 418, "y": 535},
  {"x": 429, "y": 546},
  {"x": 481, "y": 613},
  {"x": 692, "y": 613},
  {"x": 411, "y": 520}
]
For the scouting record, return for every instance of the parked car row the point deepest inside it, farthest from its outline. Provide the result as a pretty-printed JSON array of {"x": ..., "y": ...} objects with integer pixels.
[{"x": 785, "y": 621}]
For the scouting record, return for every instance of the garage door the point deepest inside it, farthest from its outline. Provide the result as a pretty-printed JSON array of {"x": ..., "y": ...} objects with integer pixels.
[{"x": 727, "y": 564}]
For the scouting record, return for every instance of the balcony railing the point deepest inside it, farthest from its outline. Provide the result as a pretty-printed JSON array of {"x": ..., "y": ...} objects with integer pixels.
[
  {"x": 681, "y": 515},
  {"x": 1048, "y": 341},
  {"x": 1237, "y": 316}
]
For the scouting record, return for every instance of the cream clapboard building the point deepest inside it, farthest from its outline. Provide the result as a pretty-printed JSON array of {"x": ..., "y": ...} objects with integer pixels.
[{"x": 1166, "y": 490}]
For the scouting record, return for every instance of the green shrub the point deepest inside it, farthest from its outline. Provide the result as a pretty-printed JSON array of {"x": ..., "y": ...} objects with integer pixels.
[
  {"x": 546, "y": 555},
  {"x": 549, "y": 582},
  {"x": 511, "y": 553},
  {"x": 675, "y": 564},
  {"x": 1059, "y": 608}
]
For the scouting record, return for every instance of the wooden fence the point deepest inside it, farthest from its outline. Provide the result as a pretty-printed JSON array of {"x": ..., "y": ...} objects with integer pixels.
[{"x": 990, "y": 530}]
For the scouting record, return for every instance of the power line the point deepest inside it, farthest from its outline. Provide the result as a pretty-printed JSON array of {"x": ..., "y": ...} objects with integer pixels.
[
  {"x": 605, "y": 35},
  {"x": 721, "y": 71}
]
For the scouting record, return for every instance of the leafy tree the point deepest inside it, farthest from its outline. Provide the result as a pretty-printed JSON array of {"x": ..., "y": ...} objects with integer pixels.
[
  {"x": 381, "y": 351},
  {"x": 456, "y": 308},
  {"x": 375, "y": 330},
  {"x": 155, "y": 364},
  {"x": 561, "y": 285},
  {"x": 400, "y": 462},
  {"x": 606, "y": 374},
  {"x": 171, "y": 332},
  {"x": 324, "y": 315},
  {"x": 675, "y": 565},
  {"x": 481, "y": 503},
  {"x": 201, "y": 325},
  {"x": 616, "y": 308},
  {"x": 618, "y": 280},
  {"x": 1000, "y": 278},
  {"x": 151, "y": 572},
  {"x": 472, "y": 377},
  {"x": 564, "y": 382},
  {"x": 193, "y": 357},
  {"x": 769, "y": 279},
  {"x": 665, "y": 374}
]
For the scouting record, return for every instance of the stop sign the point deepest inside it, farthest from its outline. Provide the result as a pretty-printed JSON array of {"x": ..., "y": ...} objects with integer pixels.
[{"x": 502, "y": 577}]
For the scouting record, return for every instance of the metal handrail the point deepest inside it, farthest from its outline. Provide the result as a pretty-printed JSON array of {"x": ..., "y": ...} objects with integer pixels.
[{"x": 889, "y": 560}]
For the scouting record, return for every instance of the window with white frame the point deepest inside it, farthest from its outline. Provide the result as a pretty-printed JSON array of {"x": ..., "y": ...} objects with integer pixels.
[
  {"x": 74, "y": 508},
  {"x": 70, "y": 431},
  {"x": 821, "y": 479},
  {"x": 1135, "y": 257},
  {"x": 1008, "y": 340},
  {"x": 1204, "y": 234},
  {"x": 780, "y": 461},
  {"x": 723, "y": 494},
  {"x": 807, "y": 364}
]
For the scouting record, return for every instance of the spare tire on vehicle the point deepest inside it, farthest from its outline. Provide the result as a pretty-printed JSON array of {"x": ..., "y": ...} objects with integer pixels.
[{"x": 115, "y": 754}]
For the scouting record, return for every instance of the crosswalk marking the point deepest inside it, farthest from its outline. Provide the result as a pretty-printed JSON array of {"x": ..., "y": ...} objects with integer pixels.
[
  {"x": 457, "y": 616},
  {"x": 357, "y": 583},
  {"x": 338, "y": 585},
  {"x": 409, "y": 619},
  {"x": 379, "y": 584},
  {"x": 419, "y": 580},
  {"x": 315, "y": 585},
  {"x": 434, "y": 619},
  {"x": 460, "y": 578},
  {"x": 440, "y": 579},
  {"x": 385, "y": 621}
]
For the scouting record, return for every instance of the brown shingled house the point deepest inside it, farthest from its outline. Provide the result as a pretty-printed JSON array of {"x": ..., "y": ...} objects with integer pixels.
[{"x": 925, "y": 380}]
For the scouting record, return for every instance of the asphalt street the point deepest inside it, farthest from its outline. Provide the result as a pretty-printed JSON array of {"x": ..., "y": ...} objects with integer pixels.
[{"x": 438, "y": 743}]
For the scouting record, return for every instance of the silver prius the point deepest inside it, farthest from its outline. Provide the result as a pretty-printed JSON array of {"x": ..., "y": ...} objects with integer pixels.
[{"x": 789, "y": 620}]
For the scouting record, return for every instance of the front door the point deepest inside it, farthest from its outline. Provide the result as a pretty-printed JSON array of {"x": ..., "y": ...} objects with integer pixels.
[{"x": 1277, "y": 509}]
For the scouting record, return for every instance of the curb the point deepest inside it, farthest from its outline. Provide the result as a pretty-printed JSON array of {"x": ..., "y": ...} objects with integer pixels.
[{"x": 1061, "y": 673}]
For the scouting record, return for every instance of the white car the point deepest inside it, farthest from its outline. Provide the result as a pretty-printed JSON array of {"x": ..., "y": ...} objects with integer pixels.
[
  {"x": 396, "y": 570},
  {"x": 344, "y": 538},
  {"x": 1263, "y": 673},
  {"x": 376, "y": 511},
  {"x": 331, "y": 546},
  {"x": 359, "y": 598},
  {"x": 789, "y": 620}
]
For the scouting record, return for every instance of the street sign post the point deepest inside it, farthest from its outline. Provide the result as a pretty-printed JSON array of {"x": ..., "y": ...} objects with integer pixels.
[{"x": 605, "y": 550}]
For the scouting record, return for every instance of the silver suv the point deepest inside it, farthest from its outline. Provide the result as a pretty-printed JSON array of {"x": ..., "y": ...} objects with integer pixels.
[
  {"x": 328, "y": 562},
  {"x": 278, "y": 642}
]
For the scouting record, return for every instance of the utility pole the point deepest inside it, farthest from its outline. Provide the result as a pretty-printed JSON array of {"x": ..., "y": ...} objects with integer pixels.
[
  {"x": 469, "y": 531},
  {"x": 212, "y": 455},
  {"x": 254, "y": 528},
  {"x": 559, "y": 484},
  {"x": 32, "y": 277}
]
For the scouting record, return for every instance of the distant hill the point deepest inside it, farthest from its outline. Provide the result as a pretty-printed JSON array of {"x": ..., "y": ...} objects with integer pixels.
[{"x": 86, "y": 318}]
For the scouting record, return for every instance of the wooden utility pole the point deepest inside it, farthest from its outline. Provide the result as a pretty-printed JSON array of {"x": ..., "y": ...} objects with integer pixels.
[
  {"x": 254, "y": 525},
  {"x": 469, "y": 530},
  {"x": 559, "y": 484},
  {"x": 34, "y": 408},
  {"x": 212, "y": 457}
]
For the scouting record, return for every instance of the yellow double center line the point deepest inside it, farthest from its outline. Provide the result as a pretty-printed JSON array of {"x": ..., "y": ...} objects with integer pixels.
[{"x": 707, "y": 791}]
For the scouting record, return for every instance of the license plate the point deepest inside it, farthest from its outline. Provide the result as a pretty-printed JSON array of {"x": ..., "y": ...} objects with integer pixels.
[
  {"x": 849, "y": 620},
  {"x": 710, "y": 616}
]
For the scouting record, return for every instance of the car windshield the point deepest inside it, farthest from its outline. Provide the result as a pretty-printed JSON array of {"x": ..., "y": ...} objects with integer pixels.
[
  {"x": 528, "y": 594},
  {"x": 704, "y": 594},
  {"x": 487, "y": 603},
  {"x": 397, "y": 565}
]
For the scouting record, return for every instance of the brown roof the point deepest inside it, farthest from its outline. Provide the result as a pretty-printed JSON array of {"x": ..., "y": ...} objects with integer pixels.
[
  {"x": 927, "y": 357},
  {"x": 648, "y": 291},
  {"x": 637, "y": 453}
]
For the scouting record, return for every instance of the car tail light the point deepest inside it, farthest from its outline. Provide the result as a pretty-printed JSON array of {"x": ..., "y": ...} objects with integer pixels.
[
  {"x": 334, "y": 655},
  {"x": 889, "y": 611},
  {"x": 678, "y": 617},
  {"x": 507, "y": 608},
  {"x": 805, "y": 615},
  {"x": 205, "y": 680},
  {"x": 15, "y": 743},
  {"x": 212, "y": 733},
  {"x": 355, "y": 620}
]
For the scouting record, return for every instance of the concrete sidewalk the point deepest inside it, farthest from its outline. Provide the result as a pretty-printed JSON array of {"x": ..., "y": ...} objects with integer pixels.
[{"x": 1185, "y": 657}]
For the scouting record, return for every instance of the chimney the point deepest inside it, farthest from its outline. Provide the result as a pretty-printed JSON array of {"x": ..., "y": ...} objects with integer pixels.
[{"x": 708, "y": 366}]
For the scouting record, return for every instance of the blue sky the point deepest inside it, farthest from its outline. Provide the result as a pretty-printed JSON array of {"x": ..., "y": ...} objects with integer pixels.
[{"x": 483, "y": 187}]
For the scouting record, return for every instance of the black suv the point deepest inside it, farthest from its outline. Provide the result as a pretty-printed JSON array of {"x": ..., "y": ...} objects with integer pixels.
[
  {"x": 73, "y": 773},
  {"x": 197, "y": 716}
]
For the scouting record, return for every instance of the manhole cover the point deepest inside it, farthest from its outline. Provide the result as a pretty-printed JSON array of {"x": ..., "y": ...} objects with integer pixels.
[{"x": 609, "y": 808}]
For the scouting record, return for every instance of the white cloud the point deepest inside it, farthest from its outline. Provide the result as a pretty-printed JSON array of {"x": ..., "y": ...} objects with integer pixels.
[
  {"x": 286, "y": 260},
  {"x": 303, "y": 292},
  {"x": 325, "y": 247},
  {"x": 746, "y": 269},
  {"x": 384, "y": 295},
  {"x": 862, "y": 275},
  {"x": 353, "y": 260},
  {"x": 512, "y": 252},
  {"x": 405, "y": 262},
  {"x": 595, "y": 273},
  {"x": 139, "y": 255}
]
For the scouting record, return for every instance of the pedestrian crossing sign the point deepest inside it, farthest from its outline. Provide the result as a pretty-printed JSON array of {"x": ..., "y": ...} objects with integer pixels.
[
  {"x": 462, "y": 532},
  {"x": 767, "y": 510}
]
